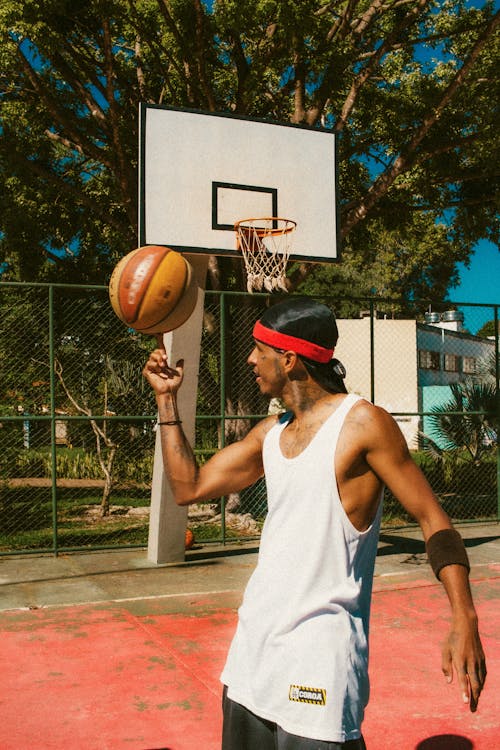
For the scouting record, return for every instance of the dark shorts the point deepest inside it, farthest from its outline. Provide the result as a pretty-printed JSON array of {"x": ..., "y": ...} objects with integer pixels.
[{"x": 242, "y": 730}]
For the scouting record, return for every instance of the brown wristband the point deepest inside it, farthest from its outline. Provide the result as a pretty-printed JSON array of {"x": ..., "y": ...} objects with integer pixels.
[
  {"x": 446, "y": 547},
  {"x": 170, "y": 422}
]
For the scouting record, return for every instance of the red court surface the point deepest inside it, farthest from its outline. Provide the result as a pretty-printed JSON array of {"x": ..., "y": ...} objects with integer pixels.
[{"x": 133, "y": 676}]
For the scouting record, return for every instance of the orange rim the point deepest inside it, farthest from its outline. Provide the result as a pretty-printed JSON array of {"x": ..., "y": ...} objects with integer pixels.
[{"x": 265, "y": 231}]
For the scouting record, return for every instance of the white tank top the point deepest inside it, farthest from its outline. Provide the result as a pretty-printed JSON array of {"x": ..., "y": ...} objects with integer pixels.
[{"x": 299, "y": 657}]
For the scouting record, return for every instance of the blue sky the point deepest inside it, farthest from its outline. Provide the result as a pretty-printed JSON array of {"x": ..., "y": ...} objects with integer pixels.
[{"x": 480, "y": 283}]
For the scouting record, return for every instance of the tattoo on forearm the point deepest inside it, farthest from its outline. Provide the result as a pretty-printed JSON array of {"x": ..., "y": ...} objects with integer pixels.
[{"x": 184, "y": 450}]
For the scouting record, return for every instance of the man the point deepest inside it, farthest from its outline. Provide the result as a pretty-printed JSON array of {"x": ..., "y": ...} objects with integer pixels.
[{"x": 296, "y": 676}]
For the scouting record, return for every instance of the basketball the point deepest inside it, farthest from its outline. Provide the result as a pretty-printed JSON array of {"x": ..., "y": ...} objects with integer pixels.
[
  {"x": 189, "y": 538},
  {"x": 153, "y": 289}
]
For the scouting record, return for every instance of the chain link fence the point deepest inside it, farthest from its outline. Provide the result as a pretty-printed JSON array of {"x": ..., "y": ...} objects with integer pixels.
[{"x": 76, "y": 417}]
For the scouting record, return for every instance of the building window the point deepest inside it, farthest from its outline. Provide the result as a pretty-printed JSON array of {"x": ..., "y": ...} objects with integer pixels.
[
  {"x": 469, "y": 365},
  {"x": 451, "y": 363},
  {"x": 428, "y": 360}
]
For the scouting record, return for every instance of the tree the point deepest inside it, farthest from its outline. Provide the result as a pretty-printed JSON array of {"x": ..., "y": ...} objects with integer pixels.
[
  {"x": 120, "y": 381},
  {"x": 74, "y": 339},
  {"x": 401, "y": 269},
  {"x": 407, "y": 87},
  {"x": 488, "y": 329},
  {"x": 98, "y": 364},
  {"x": 468, "y": 423}
]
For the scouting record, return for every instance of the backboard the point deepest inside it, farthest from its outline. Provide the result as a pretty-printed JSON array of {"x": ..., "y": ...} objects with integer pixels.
[{"x": 200, "y": 173}]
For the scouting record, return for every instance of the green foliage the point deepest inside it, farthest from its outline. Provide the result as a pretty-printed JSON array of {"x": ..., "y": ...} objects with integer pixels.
[
  {"x": 466, "y": 490},
  {"x": 24, "y": 384},
  {"x": 400, "y": 268},
  {"x": 67, "y": 353},
  {"x": 21, "y": 511},
  {"x": 26, "y": 521},
  {"x": 100, "y": 359},
  {"x": 487, "y": 330},
  {"x": 471, "y": 433},
  {"x": 407, "y": 88},
  {"x": 134, "y": 466}
]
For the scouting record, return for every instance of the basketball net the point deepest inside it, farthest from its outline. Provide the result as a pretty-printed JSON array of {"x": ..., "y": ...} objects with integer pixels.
[{"x": 265, "y": 245}]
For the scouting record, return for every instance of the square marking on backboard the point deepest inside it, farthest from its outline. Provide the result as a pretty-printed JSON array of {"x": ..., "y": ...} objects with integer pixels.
[{"x": 229, "y": 201}]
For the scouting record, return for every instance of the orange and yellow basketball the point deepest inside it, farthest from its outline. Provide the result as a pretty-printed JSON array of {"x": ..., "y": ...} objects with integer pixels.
[
  {"x": 153, "y": 289},
  {"x": 189, "y": 538}
]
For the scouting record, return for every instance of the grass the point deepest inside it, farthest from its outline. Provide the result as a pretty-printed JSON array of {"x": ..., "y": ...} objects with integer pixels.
[
  {"x": 26, "y": 521},
  {"x": 26, "y": 518}
]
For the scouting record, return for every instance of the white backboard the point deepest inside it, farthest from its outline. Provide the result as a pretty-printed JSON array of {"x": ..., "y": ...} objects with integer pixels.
[{"x": 199, "y": 173}]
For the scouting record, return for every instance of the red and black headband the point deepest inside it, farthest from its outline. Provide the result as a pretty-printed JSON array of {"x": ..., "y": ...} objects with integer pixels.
[{"x": 305, "y": 348}]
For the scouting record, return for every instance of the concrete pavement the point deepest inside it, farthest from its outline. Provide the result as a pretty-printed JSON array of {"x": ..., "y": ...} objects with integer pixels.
[
  {"x": 104, "y": 651},
  {"x": 33, "y": 581}
]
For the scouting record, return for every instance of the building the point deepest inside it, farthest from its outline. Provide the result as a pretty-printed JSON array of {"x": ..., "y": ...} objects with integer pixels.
[{"x": 407, "y": 367}]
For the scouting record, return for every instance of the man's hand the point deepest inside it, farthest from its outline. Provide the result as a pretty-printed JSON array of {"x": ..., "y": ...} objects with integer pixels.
[
  {"x": 160, "y": 375},
  {"x": 463, "y": 652}
]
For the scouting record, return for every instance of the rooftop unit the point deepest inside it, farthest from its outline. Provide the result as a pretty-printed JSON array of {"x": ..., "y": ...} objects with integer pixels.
[{"x": 452, "y": 320}]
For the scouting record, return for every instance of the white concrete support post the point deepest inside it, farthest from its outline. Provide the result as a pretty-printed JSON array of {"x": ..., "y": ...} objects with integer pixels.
[{"x": 167, "y": 522}]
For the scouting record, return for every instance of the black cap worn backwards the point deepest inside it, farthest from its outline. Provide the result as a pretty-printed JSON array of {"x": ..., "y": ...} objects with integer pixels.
[{"x": 308, "y": 327}]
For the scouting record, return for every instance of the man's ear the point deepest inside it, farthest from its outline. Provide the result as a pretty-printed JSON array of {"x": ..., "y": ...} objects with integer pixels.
[
  {"x": 293, "y": 366},
  {"x": 290, "y": 360}
]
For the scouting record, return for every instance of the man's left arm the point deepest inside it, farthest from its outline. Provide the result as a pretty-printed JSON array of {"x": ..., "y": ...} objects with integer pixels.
[
  {"x": 388, "y": 456},
  {"x": 462, "y": 651}
]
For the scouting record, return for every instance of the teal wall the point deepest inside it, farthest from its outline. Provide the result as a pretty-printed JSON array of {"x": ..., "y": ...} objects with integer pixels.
[{"x": 434, "y": 395}]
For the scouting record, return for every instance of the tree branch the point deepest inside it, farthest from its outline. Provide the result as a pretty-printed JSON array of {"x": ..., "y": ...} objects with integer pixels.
[
  {"x": 121, "y": 163},
  {"x": 153, "y": 43},
  {"x": 445, "y": 148},
  {"x": 402, "y": 163},
  {"x": 57, "y": 113},
  {"x": 369, "y": 69},
  {"x": 77, "y": 191},
  {"x": 299, "y": 86},
  {"x": 331, "y": 73},
  {"x": 58, "y": 370},
  {"x": 342, "y": 23},
  {"x": 186, "y": 68},
  {"x": 242, "y": 72},
  {"x": 95, "y": 110},
  {"x": 365, "y": 21},
  {"x": 141, "y": 80},
  {"x": 64, "y": 142},
  {"x": 451, "y": 179},
  {"x": 200, "y": 55}
]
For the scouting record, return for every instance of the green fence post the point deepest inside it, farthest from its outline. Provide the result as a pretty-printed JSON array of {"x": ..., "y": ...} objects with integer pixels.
[
  {"x": 53, "y": 454},
  {"x": 222, "y": 314},
  {"x": 372, "y": 351},
  {"x": 497, "y": 389}
]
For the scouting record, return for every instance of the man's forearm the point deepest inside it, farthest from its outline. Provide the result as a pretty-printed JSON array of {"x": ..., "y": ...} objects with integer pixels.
[
  {"x": 455, "y": 579},
  {"x": 450, "y": 563},
  {"x": 178, "y": 458}
]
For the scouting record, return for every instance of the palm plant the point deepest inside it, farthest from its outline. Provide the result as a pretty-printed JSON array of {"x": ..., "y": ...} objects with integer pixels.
[{"x": 468, "y": 423}]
